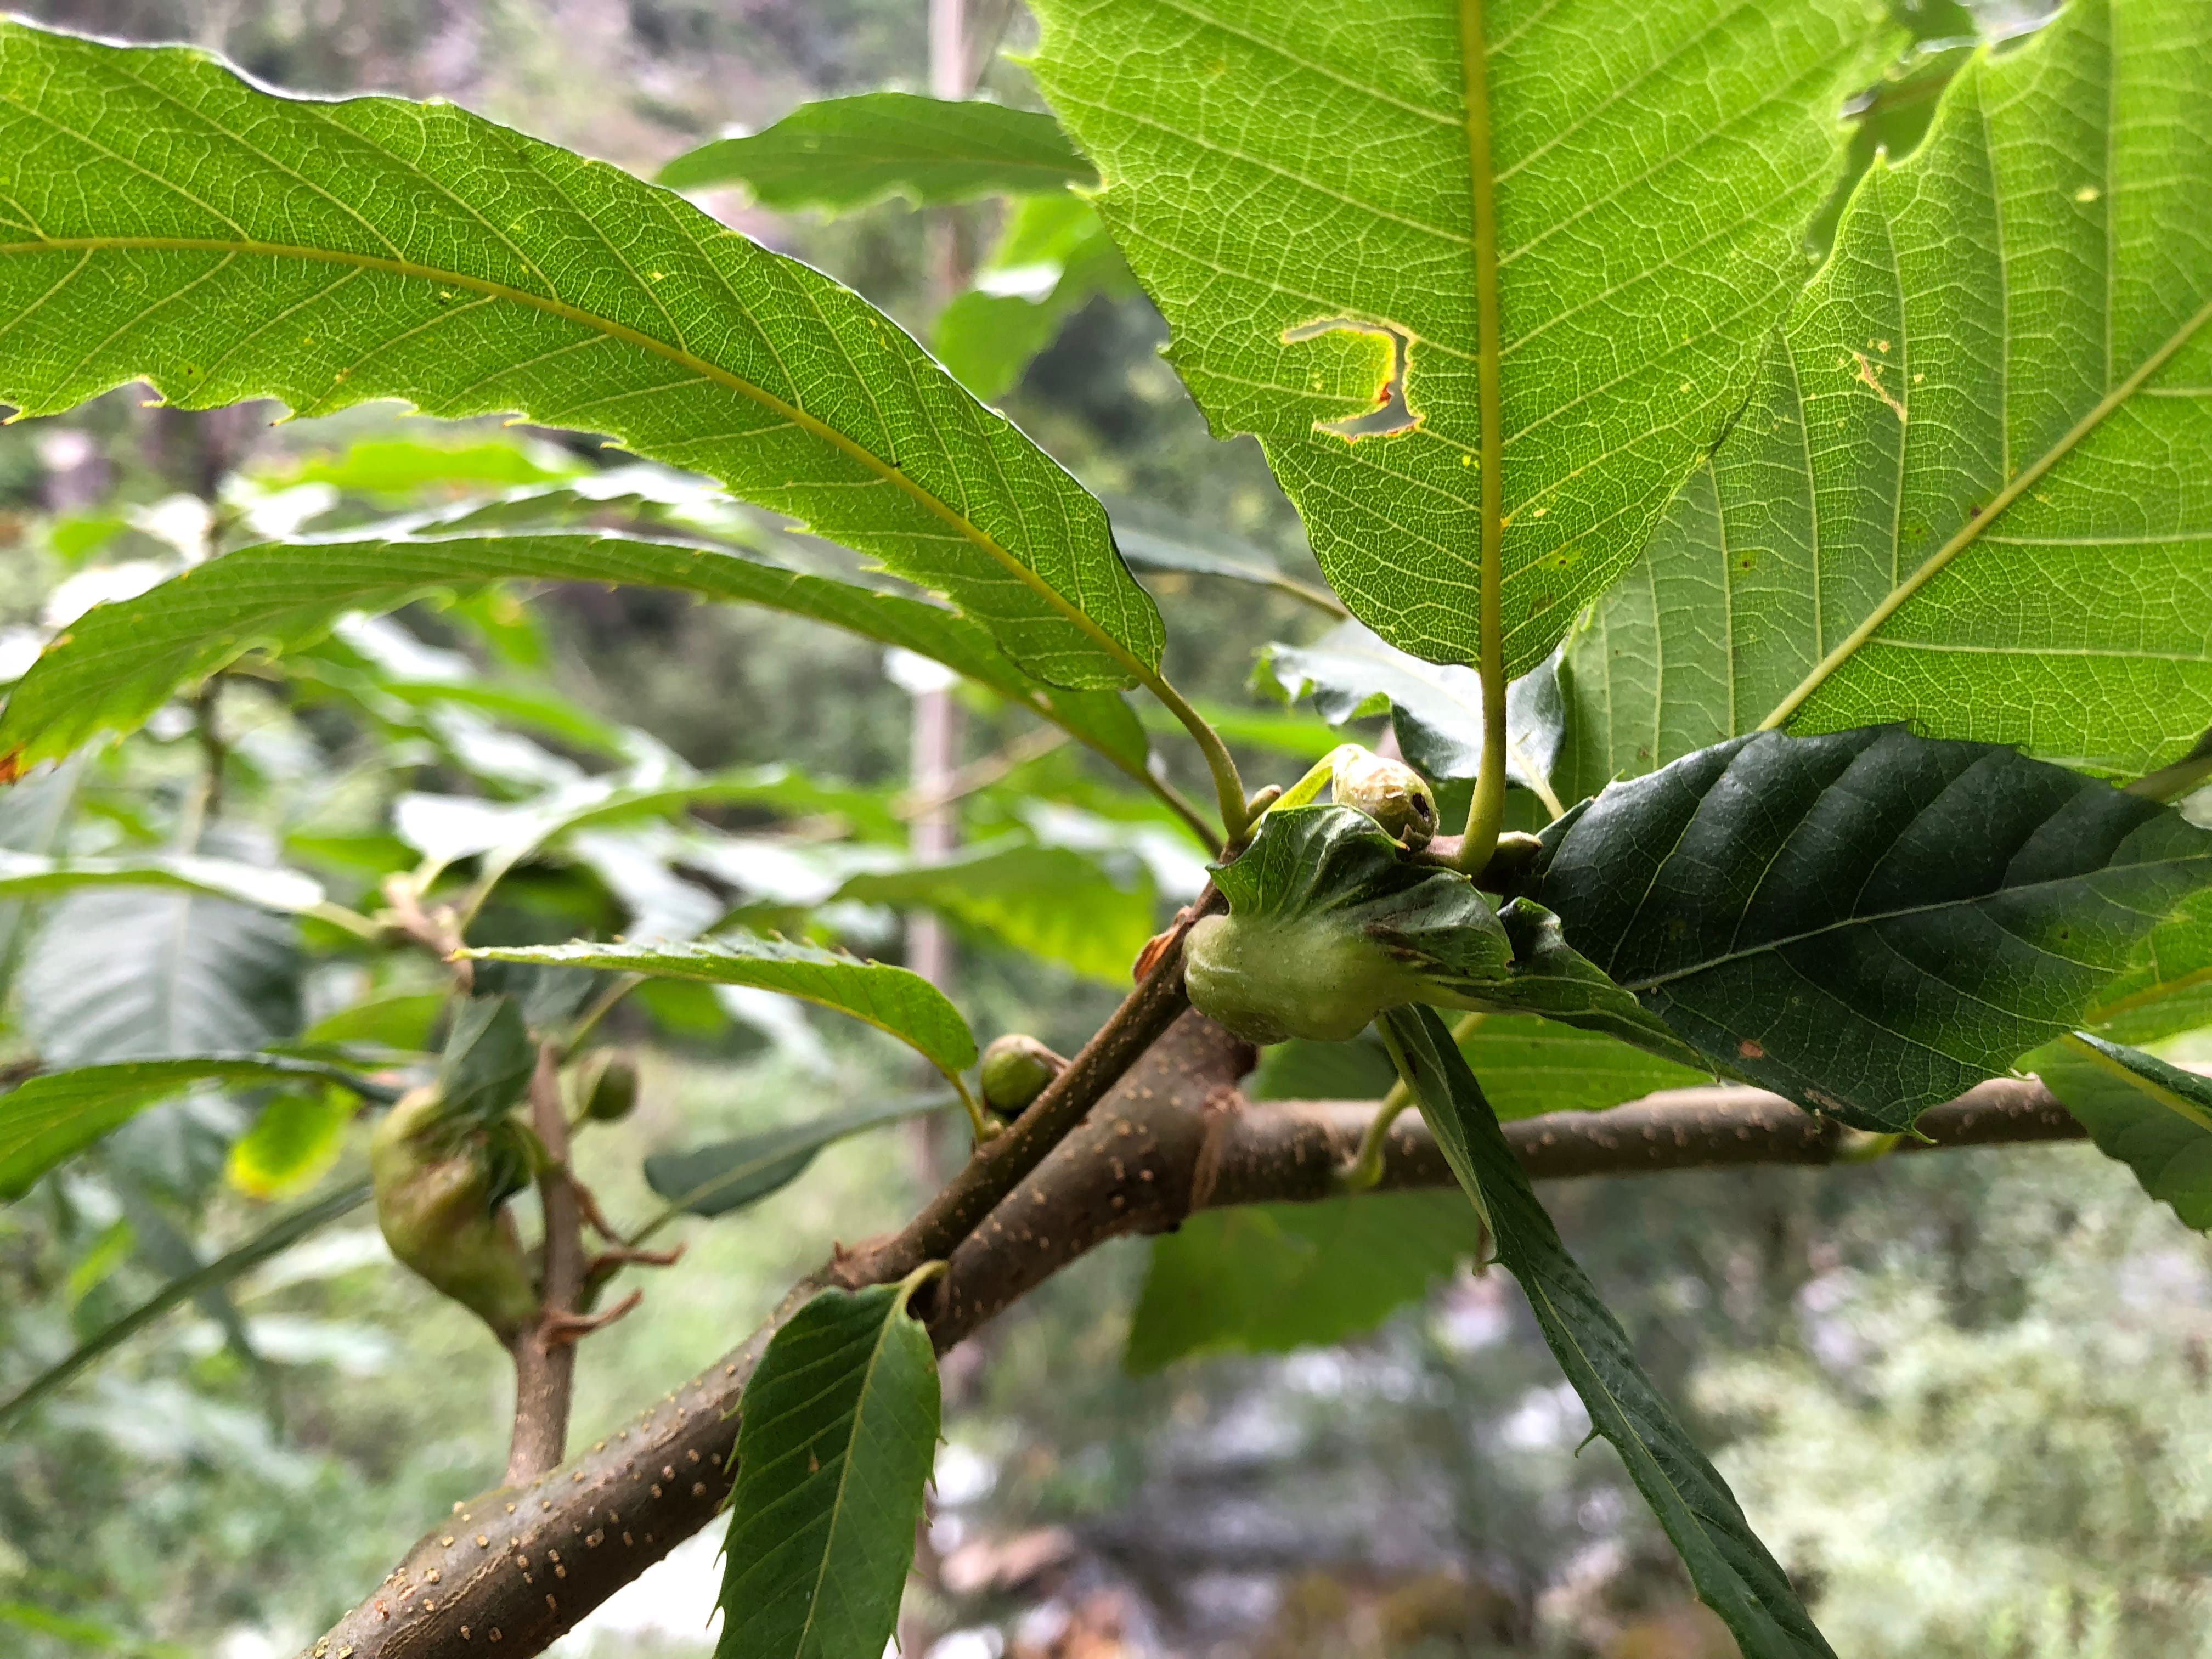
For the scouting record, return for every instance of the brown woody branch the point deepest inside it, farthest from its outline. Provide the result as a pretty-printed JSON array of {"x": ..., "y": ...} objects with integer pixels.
[{"x": 514, "y": 1568}]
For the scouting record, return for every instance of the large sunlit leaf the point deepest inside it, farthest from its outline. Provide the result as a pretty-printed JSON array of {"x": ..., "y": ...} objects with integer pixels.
[
  {"x": 120, "y": 662},
  {"x": 54, "y": 1116},
  {"x": 1972, "y": 487},
  {"x": 162, "y": 219},
  {"x": 839, "y": 153},
  {"x": 1052, "y": 902},
  {"x": 1296, "y": 192},
  {"x": 834, "y": 1445},
  {"x": 893, "y": 1000},
  {"x": 1866, "y": 921},
  {"x": 1269, "y": 1277},
  {"x": 26, "y": 876},
  {"x": 1528, "y": 1065},
  {"x": 1735, "y": 1575},
  {"x": 730, "y": 1175}
]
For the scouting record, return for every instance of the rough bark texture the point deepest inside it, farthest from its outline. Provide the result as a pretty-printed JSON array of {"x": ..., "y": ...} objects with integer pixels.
[{"x": 516, "y": 1568}]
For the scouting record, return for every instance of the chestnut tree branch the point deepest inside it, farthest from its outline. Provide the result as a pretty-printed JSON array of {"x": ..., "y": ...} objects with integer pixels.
[
  {"x": 513, "y": 1570},
  {"x": 545, "y": 1361}
]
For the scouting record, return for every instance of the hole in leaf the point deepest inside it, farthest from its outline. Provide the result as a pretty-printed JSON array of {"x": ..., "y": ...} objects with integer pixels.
[{"x": 1391, "y": 414}]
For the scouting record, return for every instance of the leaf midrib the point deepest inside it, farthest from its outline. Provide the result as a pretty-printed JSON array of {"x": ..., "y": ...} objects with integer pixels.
[
  {"x": 1874, "y": 917},
  {"x": 814, "y": 426},
  {"x": 1972, "y": 530},
  {"x": 844, "y": 1474}
]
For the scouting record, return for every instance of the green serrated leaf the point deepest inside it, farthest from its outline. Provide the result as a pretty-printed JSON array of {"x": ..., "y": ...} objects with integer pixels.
[
  {"x": 1868, "y": 922},
  {"x": 836, "y": 1443},
  {"x": 1269, "y": 1277},
  {"x": 892, "y": 1000},
  {"x": 121, "y": 661},
  {"x": 1969, "y": 489},
  {"x": 1528, "y": 1065},
  {"x": 730, "y": 1175},
  {"x": 2167, "y": 987},
  {"x": 136, "y": 974},
  {"x": 839, "y": 153},
  {"x": 167, "y": 221},
  {"x": 2153, "y": 1117},
  {"x": 54, "y": 1116},
  {"x": 1620, "y": 190},
  {"x": 1052, "y": 902},
  {"x": 1734, "y": 1574}
]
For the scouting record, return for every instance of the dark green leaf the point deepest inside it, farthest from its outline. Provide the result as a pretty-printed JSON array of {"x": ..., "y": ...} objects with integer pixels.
[
  {"x": 836, "y": 1443},
  {"x": 839, "y": 153},
  {"x": 2153, "y": 1117},
  {"x": 1052, "y": 902},
  {"x": 123, "y": 660},
  {"x": 139, "y": 975},
  {"x": 51, "y": 1117},
  {"x": 1868, "y": 922},
  {"x": 180, "y": 225},
  {"x": 273, "y": 1240},
  {"x": 889, "y": 999},
  {"x": 403, "y": 1022},
  {"x": 729, "y": 1175},
  {"x": 1268, "y": 1278},
  {"x": 487, "y": 1061},
  {"x": 1734, "y": 1573}
]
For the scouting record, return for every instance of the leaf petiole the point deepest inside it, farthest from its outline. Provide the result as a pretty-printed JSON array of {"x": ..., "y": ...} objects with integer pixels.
[{"x": 1364, "y": 1172}]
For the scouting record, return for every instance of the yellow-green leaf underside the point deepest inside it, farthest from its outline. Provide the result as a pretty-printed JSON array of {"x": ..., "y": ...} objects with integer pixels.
[
  {"x": 1973, "y": 486},
  {"x": 162, "y": 219},
  {"x": 1302, "y": 190}
]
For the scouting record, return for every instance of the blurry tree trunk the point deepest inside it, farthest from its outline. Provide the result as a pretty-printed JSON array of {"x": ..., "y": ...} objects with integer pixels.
[{"x": 936, "y": 746}]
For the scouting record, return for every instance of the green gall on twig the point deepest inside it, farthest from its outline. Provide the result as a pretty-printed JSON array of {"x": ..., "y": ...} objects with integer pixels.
[
  {"x": 442, "y": 1185},
  {"x": 1330, "y": 923}
]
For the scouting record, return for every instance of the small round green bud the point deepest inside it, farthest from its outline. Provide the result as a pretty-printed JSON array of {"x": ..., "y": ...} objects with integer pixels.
[
  {"x": 1390, "y": 792},
  {"x": 606, "y": 1083},
  {"x": 1016, "y": 1069}
]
